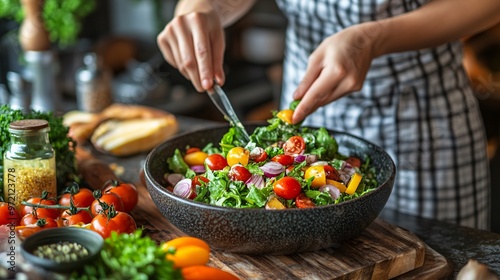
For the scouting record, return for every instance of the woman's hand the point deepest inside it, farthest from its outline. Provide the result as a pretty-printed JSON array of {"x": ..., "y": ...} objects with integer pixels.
[
  {"x": 194, "y": 44},
  {"x": 337, "y": 67}
]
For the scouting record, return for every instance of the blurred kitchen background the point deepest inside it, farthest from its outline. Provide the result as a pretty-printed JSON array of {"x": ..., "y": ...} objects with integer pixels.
[{"x": 122, "y": 35}]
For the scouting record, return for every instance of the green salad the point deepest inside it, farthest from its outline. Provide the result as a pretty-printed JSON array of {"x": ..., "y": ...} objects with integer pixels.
[{"x": 283, "y": 166}]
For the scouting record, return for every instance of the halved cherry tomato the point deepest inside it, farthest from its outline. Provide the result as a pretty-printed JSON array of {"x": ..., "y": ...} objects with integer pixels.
[
  {"x": 354, "y": 161},
  {"x": 195, "y": 158},
  {"x": 295, "y": 145},
  {"x": 285, "y": 115},
  {"x": 196, "y": 180},
  {"x": 239, "y": 173},
  {"x": 285, "y": 160},
  {"x": 216, "y": 162},
  {"x": 318, "y": 172},
  {"x": 302, "y": 201},
  {"x": 8, "y": 214},
  {"x": 258, "y": 154},
  {"x": 331, "y": 173},
  {"x": 126, "y": 191},
  {"x": 238, "y": 155},
  {"x": 120, "y": 222},
  {"x": 287, "y": 187}
]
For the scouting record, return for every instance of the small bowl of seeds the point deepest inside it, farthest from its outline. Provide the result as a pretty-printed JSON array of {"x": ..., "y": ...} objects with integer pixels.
[{"x": 62, "y": 249}]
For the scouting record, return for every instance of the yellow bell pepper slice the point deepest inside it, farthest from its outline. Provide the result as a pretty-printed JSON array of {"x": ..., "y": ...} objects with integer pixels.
[
  {"x": 337, "y": 184},
  {"x": 353, "y": 184}
]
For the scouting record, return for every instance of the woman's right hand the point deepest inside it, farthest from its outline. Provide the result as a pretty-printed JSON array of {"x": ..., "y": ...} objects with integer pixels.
[{"x": 193, "y": 42}]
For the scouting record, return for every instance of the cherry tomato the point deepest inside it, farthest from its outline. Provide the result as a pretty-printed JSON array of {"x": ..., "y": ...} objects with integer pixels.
[
  {"x": 81, "y": 216},
  {"x": 216, "y": 162},
  {"x": 318, "y": 172},
  {"x": 108, "y": 198},
  {"x": 354, "y": 161},
  {"x": 192, "y": 150},
  {"x": 195, "y": 158},
  {"x": 8, "y": 214},
  {"x": 331, "y": 173},
  {"x": 25, "y": 209},
  {"x": 117, "y": 221},
  {"x": 285, "y": 115},
  {"x": 238, "y": 155},
  {"x": 287, "y": 187},
  {"x": 82, "y": 197},
  {"x": 285, "y": 160},
  {"x": 126, "y": 191},
  {"x": 239, "y": 173},
  {"x": 295, "y": 145},
  {"x": 196, "y": 180},
  {"x": 33, "y": 220},
  {"x": 258, "y": 154},
  {"x": 302, "y": 201}
]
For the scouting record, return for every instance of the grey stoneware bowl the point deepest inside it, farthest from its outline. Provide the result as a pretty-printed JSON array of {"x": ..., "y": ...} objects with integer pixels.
[{"x": 261, "y": 231}]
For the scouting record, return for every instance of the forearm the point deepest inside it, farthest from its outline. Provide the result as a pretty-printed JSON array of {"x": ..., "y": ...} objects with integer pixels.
[
  {"x": 435, "y": 23},
  {"x": 228, "y": 10}
]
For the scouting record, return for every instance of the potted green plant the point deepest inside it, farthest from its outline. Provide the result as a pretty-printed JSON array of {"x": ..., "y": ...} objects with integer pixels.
[{"x": 61, "y": 18}]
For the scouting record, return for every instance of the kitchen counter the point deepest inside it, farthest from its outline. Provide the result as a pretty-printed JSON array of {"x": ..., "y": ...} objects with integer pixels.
[{"x": 457, "y": 244}]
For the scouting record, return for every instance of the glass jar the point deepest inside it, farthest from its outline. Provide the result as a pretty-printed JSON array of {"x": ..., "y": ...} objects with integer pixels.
[{"x": 29, "y": 162}]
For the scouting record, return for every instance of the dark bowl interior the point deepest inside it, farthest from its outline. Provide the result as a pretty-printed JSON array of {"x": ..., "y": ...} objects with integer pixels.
[
  {"x": 260, "y": 231},
  {"x": 85, "y": 237}
]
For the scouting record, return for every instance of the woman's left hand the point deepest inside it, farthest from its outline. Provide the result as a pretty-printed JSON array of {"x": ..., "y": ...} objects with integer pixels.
[{"x": 337, "y": 67}]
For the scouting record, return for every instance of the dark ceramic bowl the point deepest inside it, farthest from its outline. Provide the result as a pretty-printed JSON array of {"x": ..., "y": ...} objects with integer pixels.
[
  {"x": 260, "y": 231},
  {"x": 89, "y": 239}
]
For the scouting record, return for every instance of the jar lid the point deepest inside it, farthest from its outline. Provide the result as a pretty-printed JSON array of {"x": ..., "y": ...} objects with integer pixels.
[{"x": 30, "y": 124}]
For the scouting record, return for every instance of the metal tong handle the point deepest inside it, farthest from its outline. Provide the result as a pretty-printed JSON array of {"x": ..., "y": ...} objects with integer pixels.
[{"x": 222, "y": 103}]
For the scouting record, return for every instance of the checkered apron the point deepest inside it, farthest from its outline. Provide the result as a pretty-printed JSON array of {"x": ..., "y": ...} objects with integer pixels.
[{"x": 418, "y": 106}]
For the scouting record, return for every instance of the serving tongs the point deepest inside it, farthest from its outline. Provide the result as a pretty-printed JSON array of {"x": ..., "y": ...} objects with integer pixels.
[{"x": 222, "y": 103}]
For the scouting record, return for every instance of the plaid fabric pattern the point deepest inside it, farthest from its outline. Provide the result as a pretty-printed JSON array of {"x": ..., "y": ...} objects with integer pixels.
[{"x": 417, "y": 105}]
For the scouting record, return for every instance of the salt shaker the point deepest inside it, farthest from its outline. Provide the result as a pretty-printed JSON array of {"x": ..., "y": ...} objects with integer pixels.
[
  {"x": 29, "y": 164},
  {"x": 93, "y": 86}
]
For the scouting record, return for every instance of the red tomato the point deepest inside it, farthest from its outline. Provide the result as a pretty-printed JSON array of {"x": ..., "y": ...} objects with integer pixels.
[
  {"x": 25, "y": 209},
  {"x": 258, "y": 155},
  {"x": 192, "y": 150},
  {"x": 331, "y": 173},
  {"x": 287, "y": 187},
  {"x": 33, "y": 220},
  {"x": 108, "y": 198},
  {"x": 239, "y": 173},
  {"x": 354, "y": 161},
  {"x": 126, "y": 191},
  {"x": 81, "y": 216},
  {"x": 285, "y": 160},
  {"x": 295, "y": 145},
  {"x": 119, "y": 222},
  {"x": 302, "y": 201},
  {"x": 82, "y": 197},
  {"x": 197, "y": 179},
  {"x": 216, "y": 162},
  {"x": 8, "y": 214}
]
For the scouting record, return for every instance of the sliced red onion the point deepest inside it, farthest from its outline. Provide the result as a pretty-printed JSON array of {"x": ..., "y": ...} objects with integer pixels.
[
  {"x": 183, "y": 188},
  {"x": 333, "y": 191},
  {"x": 319, "y": 163},
  {"x": 311, "y": 158},
  {"x": 256, "y": 180},
  {"x": 198, "y": 168},
  {"x": 299, "y": 158},
  {"x": 174, "y": 178},
  {"x": 272, "y": 169},
  {"x": 344, "y": 177},
  {"x": 348, "y": 169}
]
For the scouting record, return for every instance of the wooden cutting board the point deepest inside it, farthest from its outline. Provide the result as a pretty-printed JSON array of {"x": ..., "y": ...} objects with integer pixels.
[{"x": 382, "y": 251}]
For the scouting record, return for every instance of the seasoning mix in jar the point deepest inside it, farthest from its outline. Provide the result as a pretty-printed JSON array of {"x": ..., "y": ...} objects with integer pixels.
[{"x": 29, "y": 162}]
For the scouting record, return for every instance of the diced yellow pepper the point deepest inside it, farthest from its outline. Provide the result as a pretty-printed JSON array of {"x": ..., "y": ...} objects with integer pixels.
[
  {"x": 337, "y": 184},
  {"x": 353, "y": 183},
  {"x": 274, "y": 203}
]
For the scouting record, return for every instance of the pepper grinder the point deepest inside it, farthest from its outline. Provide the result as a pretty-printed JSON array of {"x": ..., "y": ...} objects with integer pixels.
[{"x": 93, "y": 86}]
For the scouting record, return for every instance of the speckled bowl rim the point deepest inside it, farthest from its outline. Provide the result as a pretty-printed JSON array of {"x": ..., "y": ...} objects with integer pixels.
[{"x": 203, "y": 205}]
